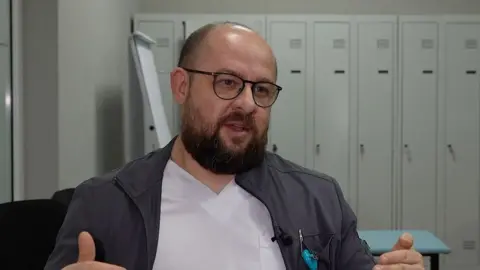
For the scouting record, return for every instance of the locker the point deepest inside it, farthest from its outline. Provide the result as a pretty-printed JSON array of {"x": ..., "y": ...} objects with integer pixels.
[
  {"x": 164, "y": 52},
  {"x": 332, "y": 108},
  {"x": 5, "y": 150},
  {"x": 375, "y": 124},
  {"x": 287, "y": 124},
  {"x": 462, "y": 143},
  {"x": 419, "y": 57}
]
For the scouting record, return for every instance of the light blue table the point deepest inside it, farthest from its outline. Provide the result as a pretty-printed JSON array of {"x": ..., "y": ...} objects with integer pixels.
[{"x": 426, "y": 243}]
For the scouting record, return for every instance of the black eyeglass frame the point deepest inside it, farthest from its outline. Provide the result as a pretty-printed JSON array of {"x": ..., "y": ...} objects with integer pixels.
[{"x": 240, "y": 90}]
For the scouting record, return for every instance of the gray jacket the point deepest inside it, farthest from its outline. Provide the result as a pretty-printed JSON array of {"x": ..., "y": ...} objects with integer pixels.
[{"x": 122, "y": 212}]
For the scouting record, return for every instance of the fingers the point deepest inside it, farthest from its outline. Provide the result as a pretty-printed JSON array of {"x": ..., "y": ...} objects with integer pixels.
[
  {"x": 404, "y": 242},
  {"x": 399, "y": 267},
  {"x": 93, "y": 266},
  {"x": 86, "y": 247},
  {"x": 401, "y": 256}
]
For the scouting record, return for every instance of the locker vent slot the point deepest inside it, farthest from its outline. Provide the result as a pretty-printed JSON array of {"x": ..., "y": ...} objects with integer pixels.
[
  {"x": 339, "y": 71},
  {"x": 295, "y": 71},
  {"x": 163, "y": 42},
  {"x": 295, "y": 43},
  {"x": 428, "y": 72},
  {"x": 471, "y": 44},
  {"x": 383, "y": 72},
  {"x": 339, "y": 44},
  {"x": 383, "y": 44},
  {"x": 427, "y": 44},
  {"x": 471, "y": 72},
  {"x": 469, "y": 245}
]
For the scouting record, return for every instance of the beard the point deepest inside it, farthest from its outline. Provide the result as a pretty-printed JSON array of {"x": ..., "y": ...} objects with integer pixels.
[{"x": 204, "y": 143}]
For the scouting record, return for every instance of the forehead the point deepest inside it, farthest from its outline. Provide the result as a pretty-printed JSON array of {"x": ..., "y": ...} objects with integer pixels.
[{"x": 240, "y": 50}]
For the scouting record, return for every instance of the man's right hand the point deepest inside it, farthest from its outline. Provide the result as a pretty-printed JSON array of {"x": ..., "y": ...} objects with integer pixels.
[{"x": 86, "y": 256}]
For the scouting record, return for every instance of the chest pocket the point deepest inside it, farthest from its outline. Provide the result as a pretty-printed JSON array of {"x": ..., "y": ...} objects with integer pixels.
[{"x": 321, "y": 246}]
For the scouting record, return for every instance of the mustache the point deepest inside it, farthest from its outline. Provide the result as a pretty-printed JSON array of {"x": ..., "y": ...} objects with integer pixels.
[{"x": 247, "y": 119}]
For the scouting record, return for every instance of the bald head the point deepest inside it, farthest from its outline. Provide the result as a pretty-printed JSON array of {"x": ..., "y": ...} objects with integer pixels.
[{"x": 219, "y": 34}]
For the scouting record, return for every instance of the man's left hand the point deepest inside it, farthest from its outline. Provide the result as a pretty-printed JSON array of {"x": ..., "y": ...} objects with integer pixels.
[{"x": 402, "y": 256}]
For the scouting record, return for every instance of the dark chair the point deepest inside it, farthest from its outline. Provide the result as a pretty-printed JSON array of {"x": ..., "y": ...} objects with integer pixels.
[
  {"x": 28, "y": 231},
  {"x": 64, "y": 196}
]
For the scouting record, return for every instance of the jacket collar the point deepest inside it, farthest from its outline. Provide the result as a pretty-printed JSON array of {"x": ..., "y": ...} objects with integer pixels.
[{"x": 142, "y": 174}]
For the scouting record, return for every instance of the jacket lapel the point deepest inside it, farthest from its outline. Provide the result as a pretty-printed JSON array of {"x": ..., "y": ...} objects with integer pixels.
[{"x": 142, "y": 181}]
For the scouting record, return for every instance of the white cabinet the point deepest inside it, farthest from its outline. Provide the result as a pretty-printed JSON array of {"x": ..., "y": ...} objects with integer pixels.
[
  {"x": 462, "y": 112},
  {"x": 375, "y": 86},
  {"x": 331, "y": 53},
  {"x": 419, "y": 118},
  {"x": 288, "y": 125}
]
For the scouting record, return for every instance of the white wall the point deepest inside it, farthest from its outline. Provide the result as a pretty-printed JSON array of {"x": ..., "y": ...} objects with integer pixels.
[
  {"x": 311, "y": 6},
  {"x": 92, "y": 75},
  {"x": 75, "y": 70}
]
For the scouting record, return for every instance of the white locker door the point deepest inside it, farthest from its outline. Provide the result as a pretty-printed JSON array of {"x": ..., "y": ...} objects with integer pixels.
[
  {"x": 164, "y": 52},
  {"x": 462, "y": 144},
  {"x": 332, "y": 90},
  {"x": 419, "y": 126},
  {"x": 287, "y": 124},
  {"x": 375, "y": 120}
]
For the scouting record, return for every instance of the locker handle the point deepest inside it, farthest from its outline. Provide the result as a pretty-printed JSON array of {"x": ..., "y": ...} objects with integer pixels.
[
  {"x": 295, "y": 71},
  {"x": 383, "y": 72},
  {"x": 339, "y": 71},
  {"x": 407, "y": 152},
  {"x": 450, "y": 149},
  {"x": 362, "y": 148},
  {"x": 318, "y": 148},
  {"x": 275, "y": 148},
  {"x": 471, "y": 72},
  {"x": 428, "y": 72}
]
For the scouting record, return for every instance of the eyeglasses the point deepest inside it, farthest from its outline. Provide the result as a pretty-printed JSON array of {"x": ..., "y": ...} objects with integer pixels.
[{"x": 228, "y": 86}]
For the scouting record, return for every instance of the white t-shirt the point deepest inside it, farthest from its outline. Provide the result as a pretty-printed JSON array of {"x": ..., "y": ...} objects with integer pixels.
[{"x": 202, "y": 230}]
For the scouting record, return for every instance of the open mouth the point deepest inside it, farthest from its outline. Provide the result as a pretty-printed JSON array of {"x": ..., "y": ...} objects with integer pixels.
[{"x": 237, "y": 127}]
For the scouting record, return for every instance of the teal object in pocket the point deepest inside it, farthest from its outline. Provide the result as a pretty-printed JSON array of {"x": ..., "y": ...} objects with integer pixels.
[{"x": 310, "y": 259}]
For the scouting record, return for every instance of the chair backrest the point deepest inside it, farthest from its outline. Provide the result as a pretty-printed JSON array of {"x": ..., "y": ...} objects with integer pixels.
[
  {"x": 28, "y": 231},
  {"x": 64, "y": 196}
]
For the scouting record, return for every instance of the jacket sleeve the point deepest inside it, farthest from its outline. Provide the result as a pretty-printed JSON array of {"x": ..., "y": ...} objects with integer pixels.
[
  {"x": 76, "y": 220},
  {"x": 354, "y": 252}
]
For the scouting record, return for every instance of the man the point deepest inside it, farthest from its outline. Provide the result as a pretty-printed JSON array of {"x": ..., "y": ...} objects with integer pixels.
[{"x": 213, "y": 198}]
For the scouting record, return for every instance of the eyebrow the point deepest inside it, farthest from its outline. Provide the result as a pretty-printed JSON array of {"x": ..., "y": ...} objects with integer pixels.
[{"x": 233, "y": 72}]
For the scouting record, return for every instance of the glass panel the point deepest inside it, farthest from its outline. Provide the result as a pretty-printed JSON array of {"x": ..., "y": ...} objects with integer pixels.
[{"x": 5, "y": 108}]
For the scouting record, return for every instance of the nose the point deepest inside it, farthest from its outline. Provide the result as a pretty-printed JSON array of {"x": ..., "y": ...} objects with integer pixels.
[{"x": 245, "y": 100}]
